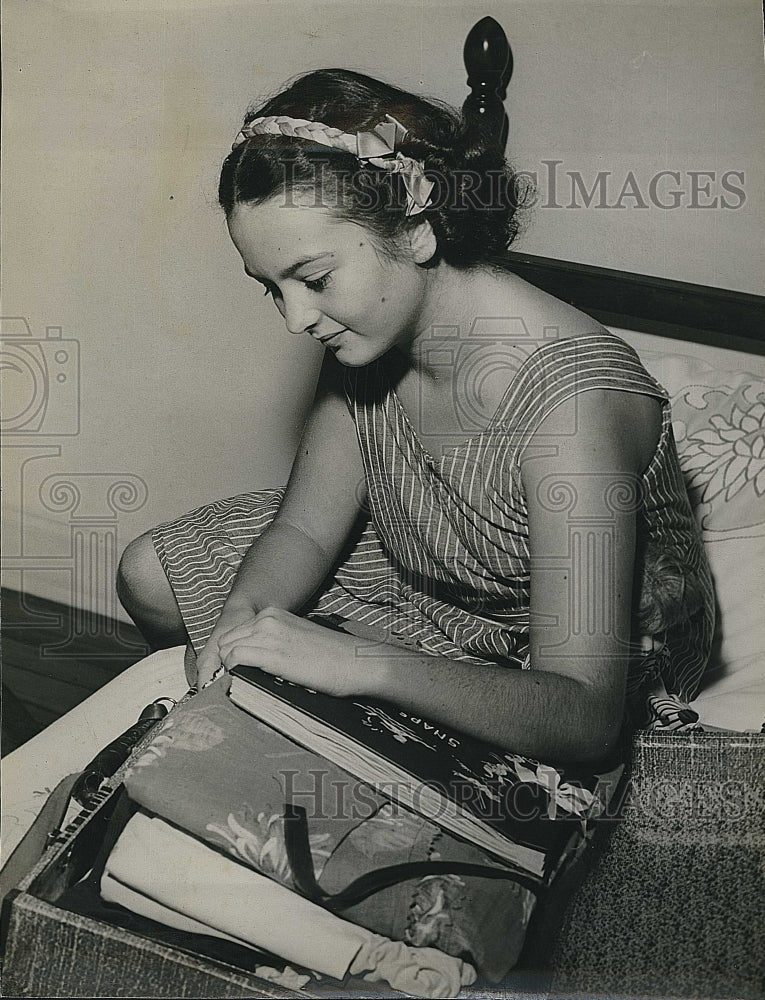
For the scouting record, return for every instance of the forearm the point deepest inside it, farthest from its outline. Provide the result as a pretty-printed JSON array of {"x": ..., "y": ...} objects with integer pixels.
[
  {"x": 282, "y": 569},
  {"x": 538, "y": 713}
]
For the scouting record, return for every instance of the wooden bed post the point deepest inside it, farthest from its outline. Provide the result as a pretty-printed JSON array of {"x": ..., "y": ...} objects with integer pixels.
[{"x": 489, "y": 63}]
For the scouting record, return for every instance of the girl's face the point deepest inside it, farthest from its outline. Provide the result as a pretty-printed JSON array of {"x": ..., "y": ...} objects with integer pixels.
[{"x": 328, "y": 279}]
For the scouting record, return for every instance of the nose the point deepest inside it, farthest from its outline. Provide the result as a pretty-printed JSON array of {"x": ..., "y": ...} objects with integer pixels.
[{"x": 300, "y": 316}]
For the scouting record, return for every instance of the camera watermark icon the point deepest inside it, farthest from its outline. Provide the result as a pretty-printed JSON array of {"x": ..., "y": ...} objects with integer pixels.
[
  {"x": 60, "y": 527},
  {"x": 40, "y": 381},
  {"x": 479, "y": 367}
]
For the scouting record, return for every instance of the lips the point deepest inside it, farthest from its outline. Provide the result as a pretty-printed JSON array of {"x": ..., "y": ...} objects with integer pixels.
[{"x": 331, "y": 337}]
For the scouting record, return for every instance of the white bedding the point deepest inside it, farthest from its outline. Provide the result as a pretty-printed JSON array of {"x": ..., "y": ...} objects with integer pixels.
[{"x": 71, "y": 742}]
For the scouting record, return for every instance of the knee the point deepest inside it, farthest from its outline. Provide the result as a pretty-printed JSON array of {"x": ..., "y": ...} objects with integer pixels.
[
  {"x": 140, "y": 577},
  {"x": 147, "y": 596}
]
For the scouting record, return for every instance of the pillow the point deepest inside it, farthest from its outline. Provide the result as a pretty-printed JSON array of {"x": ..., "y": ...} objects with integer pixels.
[
  {"x": 718, "y": 417},
  {"x": 720, "y": 430},
  {"x": 479, "y": 919}
]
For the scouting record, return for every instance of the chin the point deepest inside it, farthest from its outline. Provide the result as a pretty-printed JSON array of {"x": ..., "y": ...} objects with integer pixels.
[
  {"x": 351, "y": 358},
  {"x": 348, "y": 361}
]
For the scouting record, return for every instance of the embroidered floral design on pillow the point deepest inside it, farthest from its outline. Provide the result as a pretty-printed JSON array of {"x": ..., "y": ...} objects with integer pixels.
[
  {"x": 720, "y": 434},
  {"x": 729, "y": 453},
  {"x": 432, "y": 923}
]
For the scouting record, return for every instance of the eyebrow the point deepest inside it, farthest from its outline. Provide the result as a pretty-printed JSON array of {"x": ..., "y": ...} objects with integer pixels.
[{"x": 294, "y": 268}]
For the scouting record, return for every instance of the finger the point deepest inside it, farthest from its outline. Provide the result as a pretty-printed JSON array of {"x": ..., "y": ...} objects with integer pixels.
[
  {"x": 245, "y": 638},
  {"x": 207, "y": 664},
  {"x": 238, "y": 632},
  {"x": 249, "y": 654},
  {"x": 249, "y": 637},
  {"x": 204, "y": 677}
]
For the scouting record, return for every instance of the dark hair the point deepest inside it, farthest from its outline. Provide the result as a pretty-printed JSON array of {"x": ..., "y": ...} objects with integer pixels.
[
  {"x": 475, "y": 204},
  {"x": 670, "y": 594}
]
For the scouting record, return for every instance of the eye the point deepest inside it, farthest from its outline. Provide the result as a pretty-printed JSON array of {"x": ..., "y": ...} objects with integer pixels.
[
  {"x": 318, "y": 284},
  {"x": 270, "y": 289}
]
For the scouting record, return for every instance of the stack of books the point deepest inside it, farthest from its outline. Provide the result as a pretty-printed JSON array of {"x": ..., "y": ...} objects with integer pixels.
[{"x": 529, "y": 815}]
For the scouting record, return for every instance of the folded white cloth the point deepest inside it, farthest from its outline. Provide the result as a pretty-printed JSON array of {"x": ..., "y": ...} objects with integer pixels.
[
  {"x": 115, "y": 892},
  {"x": 172, "y": 868}
]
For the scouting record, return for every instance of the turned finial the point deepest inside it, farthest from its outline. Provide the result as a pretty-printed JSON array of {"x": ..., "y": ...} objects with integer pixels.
[{"x": 489, "y": 63}]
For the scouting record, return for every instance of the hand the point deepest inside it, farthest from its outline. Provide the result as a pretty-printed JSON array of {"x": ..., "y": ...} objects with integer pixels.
[
  {"x": 298, "y": 650},
  {"x": 209, "y": 660}
]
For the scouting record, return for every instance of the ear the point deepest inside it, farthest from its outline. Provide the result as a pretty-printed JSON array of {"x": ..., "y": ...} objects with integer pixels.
[{"x": 422, "y": 242}]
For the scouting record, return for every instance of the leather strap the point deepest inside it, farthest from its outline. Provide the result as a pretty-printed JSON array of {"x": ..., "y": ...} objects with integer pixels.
[
  {"x": 38, "y": 837},
  {"x": 108, "y": 761},
  {"x": 304, "y": 877},
  {"x": 83, "y": 787}
]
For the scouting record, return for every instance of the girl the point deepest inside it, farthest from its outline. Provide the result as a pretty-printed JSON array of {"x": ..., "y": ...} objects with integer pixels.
[{"x": 492, "y": 568}]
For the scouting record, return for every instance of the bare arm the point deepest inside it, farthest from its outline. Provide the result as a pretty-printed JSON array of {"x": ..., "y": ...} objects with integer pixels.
[
  {"x": 580, "y": 489},
  {"x": 582, "y": 503},
  {"x": 326, "y": 489},
  {"x": 323, "y": 499}
]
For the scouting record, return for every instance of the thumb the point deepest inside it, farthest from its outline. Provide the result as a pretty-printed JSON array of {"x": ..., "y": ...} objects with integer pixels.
[{"x": 208, "y": 662}]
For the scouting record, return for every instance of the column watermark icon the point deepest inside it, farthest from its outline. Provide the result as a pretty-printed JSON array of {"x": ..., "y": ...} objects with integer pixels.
[{"x": 41, "y": 413}]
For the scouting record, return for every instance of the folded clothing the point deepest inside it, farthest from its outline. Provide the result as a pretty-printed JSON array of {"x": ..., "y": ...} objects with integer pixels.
[
  {"x": 223, "y": 776},
  {"x": 166, "y": 866},
  {"x": 220, "y": 774},
  {"x": 85, "y": 898}
]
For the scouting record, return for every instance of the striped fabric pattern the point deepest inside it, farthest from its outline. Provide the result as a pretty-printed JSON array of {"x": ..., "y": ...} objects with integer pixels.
[
  {"x": 670, "y": 715},
  {"x": 443, "y": 561}
]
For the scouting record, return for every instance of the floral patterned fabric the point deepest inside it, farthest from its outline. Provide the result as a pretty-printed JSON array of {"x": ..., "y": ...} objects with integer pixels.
[
  {"x": 483, "y": 918},
  {"x": 721, "y": 441},
  {"x": 223, "y": 776}
]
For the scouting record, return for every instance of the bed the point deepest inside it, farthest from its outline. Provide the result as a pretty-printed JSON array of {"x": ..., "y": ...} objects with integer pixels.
[{"x": 672, "y": 902}]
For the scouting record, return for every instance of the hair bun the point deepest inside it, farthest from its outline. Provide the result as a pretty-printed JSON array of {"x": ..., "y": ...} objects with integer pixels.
[{"x": 476, "y": 203}]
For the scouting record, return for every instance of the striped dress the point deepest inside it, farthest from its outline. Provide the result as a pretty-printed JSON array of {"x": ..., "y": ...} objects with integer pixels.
[{"x": 441, "y": 562}]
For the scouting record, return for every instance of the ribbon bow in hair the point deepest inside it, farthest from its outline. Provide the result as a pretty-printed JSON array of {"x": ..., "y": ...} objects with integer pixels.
[
  {"x": 381, "y": 141},
  {"x": 377, "y": 147}
]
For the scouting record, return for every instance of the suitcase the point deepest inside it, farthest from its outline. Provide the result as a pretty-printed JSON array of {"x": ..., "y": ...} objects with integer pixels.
[
  {"x": 50, "y": 951},
  {"x": 671, "y": 902}
]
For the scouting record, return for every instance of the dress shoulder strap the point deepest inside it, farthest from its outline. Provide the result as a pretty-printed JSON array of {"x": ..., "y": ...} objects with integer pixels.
[{"x": 561, "y": 369}]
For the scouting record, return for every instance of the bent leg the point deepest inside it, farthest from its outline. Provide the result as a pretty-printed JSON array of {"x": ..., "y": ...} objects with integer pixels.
[
  {"x": 201, "y": 551},
  {"x": 146, "y": 595}
]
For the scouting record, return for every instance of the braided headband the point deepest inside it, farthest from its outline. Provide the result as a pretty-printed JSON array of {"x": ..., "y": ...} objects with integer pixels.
[{"x": 377, "y": 147}]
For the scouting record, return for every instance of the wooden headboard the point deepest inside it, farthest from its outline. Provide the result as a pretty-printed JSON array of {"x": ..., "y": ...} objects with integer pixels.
[{"x": 717, "y": 316}]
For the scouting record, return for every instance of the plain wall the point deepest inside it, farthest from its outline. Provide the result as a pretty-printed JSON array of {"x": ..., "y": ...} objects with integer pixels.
[{"x": 117, "y": 115}]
